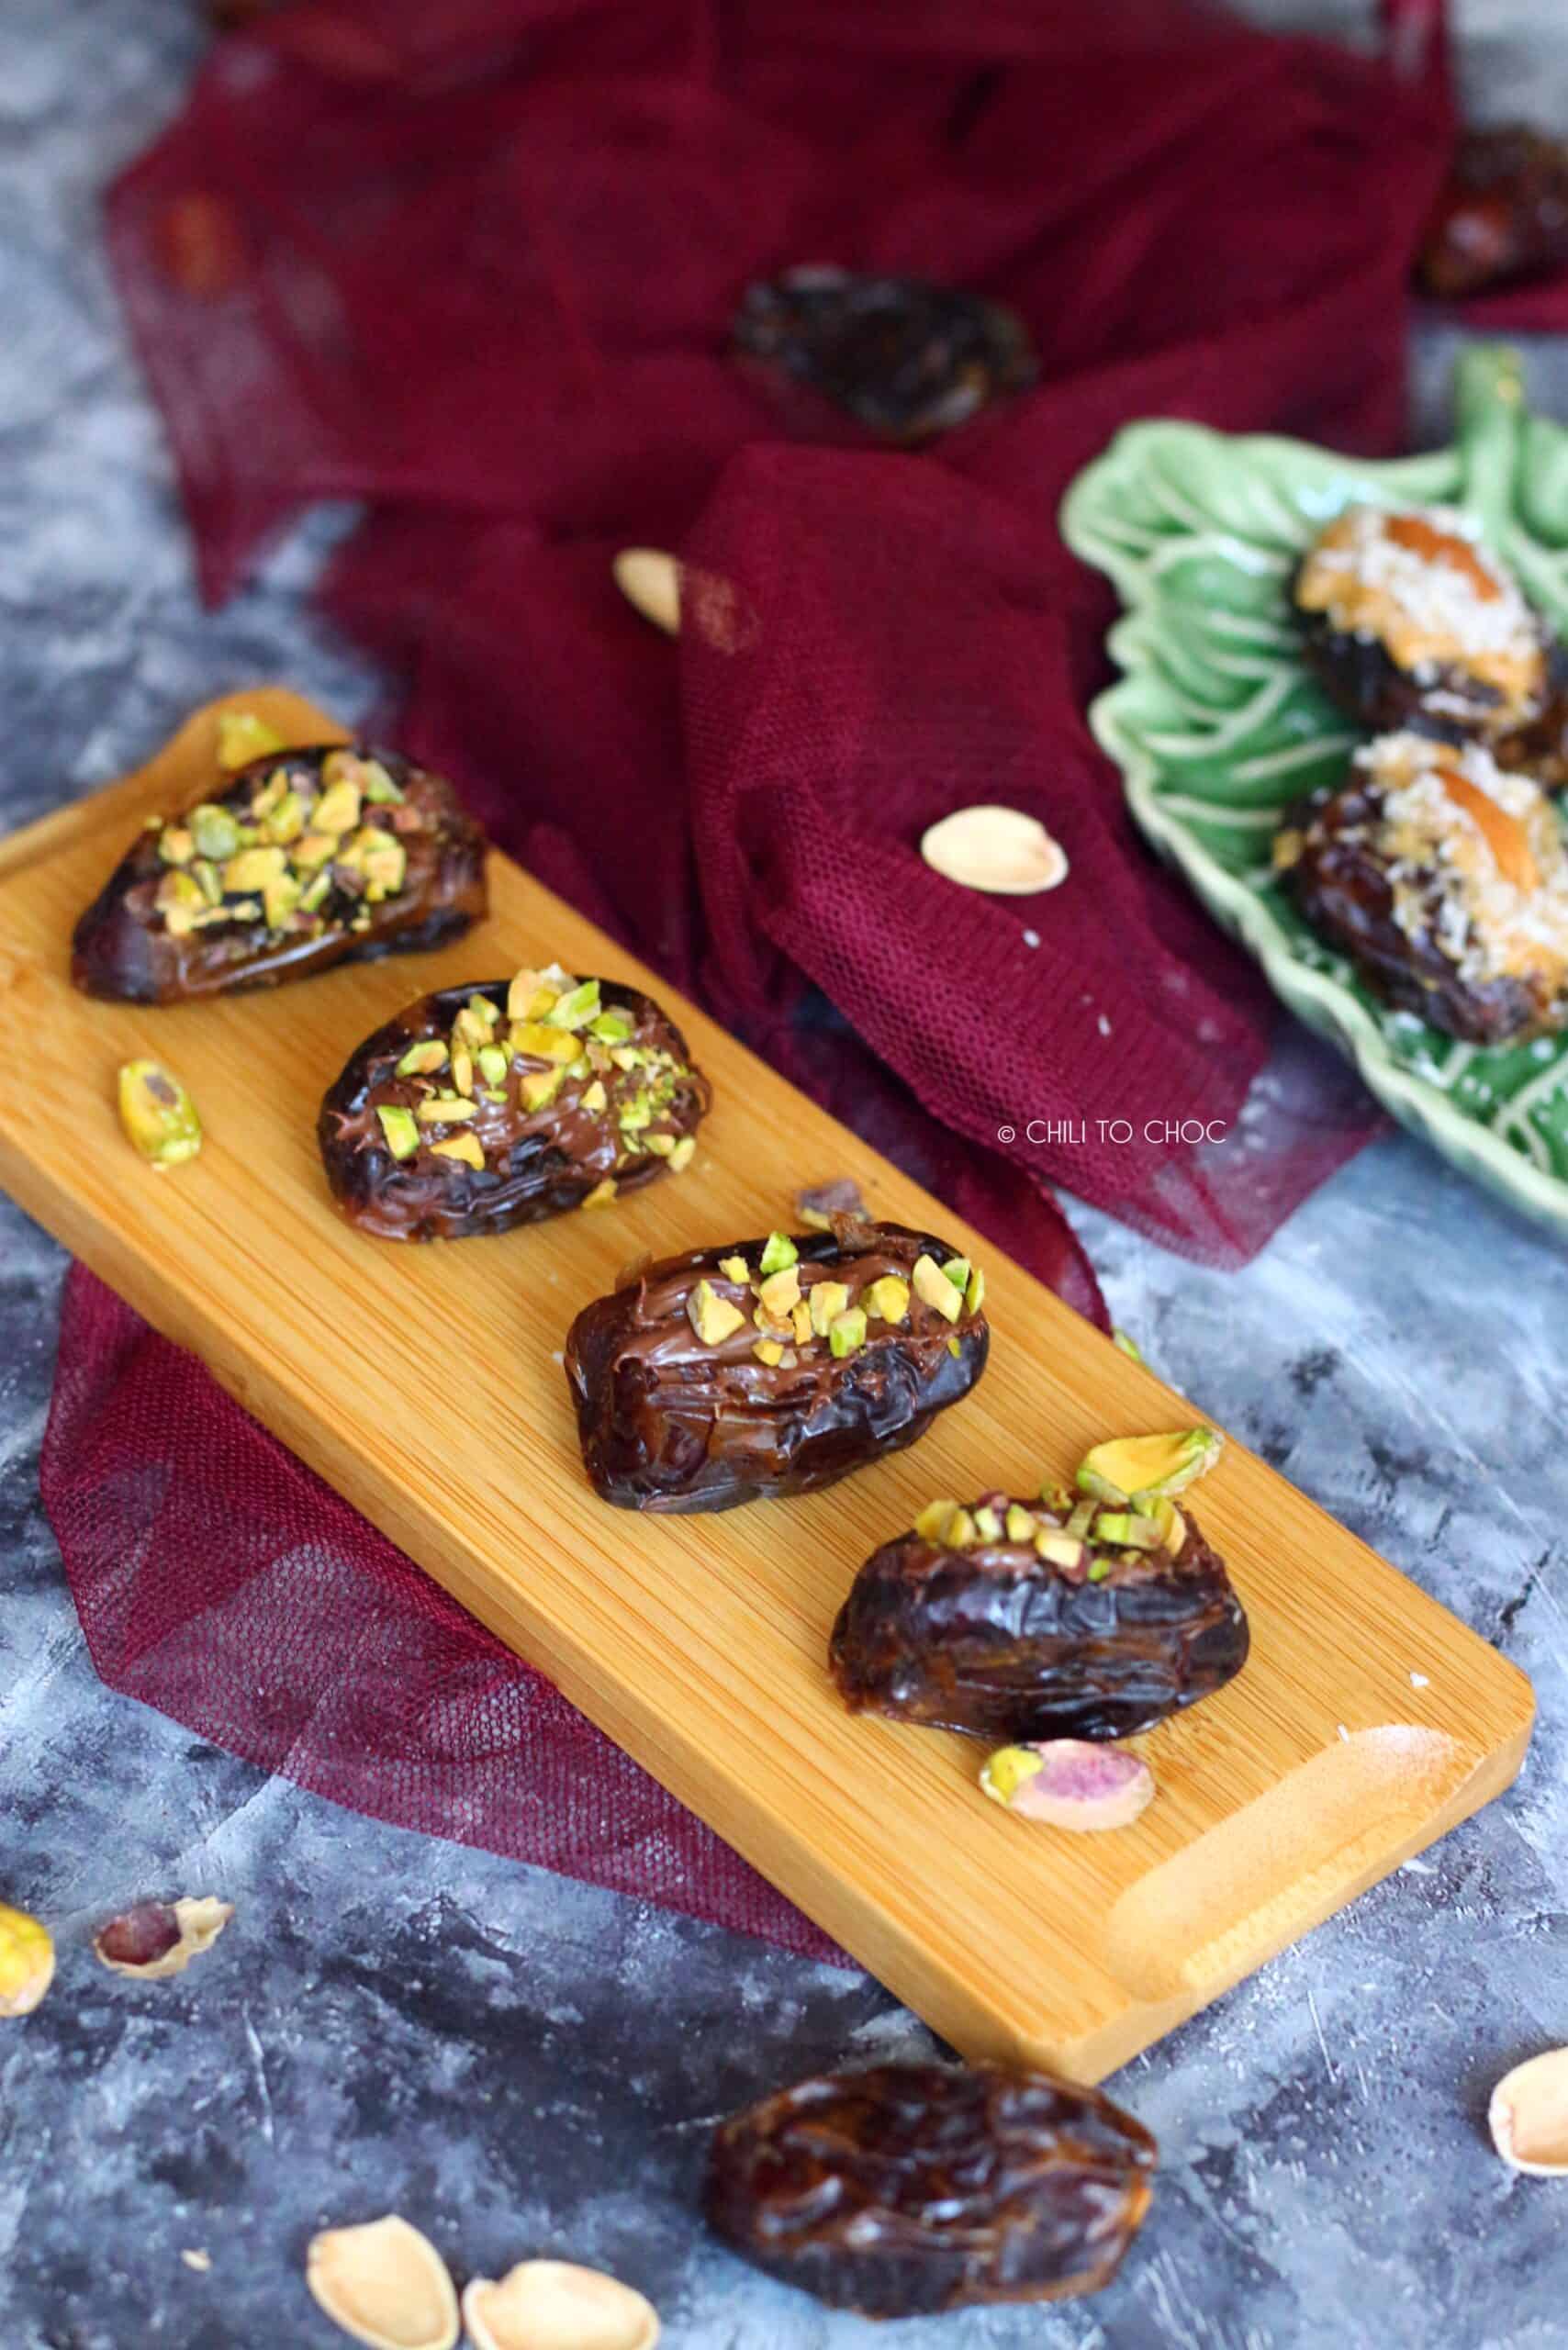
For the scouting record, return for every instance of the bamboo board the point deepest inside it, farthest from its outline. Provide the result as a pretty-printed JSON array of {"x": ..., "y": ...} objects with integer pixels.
[{"x": 698, "y": 1643}]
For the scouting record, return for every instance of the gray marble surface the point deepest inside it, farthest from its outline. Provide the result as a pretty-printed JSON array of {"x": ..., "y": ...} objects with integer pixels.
[{"x": 526, "y": 2065}]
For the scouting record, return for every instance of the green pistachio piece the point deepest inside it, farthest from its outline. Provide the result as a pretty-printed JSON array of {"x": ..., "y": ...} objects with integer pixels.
[
  {"x": 208, "y": 880},
  {"x": 279, "y": 899},
  {"x": 932, "y": 1523},
  {"x": 635, "y": 1115},
  {"x": 379, "y": 787},
  {"x": 683, "y": 1154},
  {"x": 445, "y": 1110},
  {"x": 540, "y": 1087},
  {"x": 312, "y": 850},
  {"x": 215, "y": 832},
  {"x": 492, "y": 1064},
  {"x": 1021, "y": 1523},
  {"x": 536, "y": 1041},
  {"x": 386, "y": 867},
  {"x": 286, "y": 821},
  {"x": 888, "y": 1298},
  {"x": 974, "y": 1296},
  {"x": 253, "y": 869},
  {"x": 847, "y": 1331},
  {"x": 1080, "y": 1516},
  {"x": 714, "y": 1318},
  {"x": 157, "y": 1114},
  {"x": 338, "y": 809},
  {"x": 575, "y": 1010},
  {"x": 315, "y": 893},
  {"x": 480, "y": 1008},
  {"x": 988, "y": 1523},
  {"x": 401, "y": 1132},
  {"x": 265, "y": 799},
  {"x": 465, "y": 1148},
  {"x": 1059, "y": 1549},
  {"x": 1098, "y": 1570},
  {"x": 777, "y": 1250},
  {"x": 175, "y": 846},
  {"x": 934, "y": 1289},
  {"x": 424, "y": 1058},
  {"x": 1128, "y": 1530},
  {"x": 661, "y": 1146},
  {"x": 780, "y": 1292},
  {"x": 957, "y": 1270},
  {"x": 826, "y": 1301},
  {"x": 179, "y": 899},
  {"x": 611, "y": 1027}
]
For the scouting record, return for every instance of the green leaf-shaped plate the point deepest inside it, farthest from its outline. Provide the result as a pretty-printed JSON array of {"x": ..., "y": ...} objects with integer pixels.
[{"x": 1218, "y": 726}]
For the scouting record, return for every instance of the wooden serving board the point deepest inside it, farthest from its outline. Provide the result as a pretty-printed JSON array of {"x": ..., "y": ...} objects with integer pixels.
[{"x": 698, "y": 1643}]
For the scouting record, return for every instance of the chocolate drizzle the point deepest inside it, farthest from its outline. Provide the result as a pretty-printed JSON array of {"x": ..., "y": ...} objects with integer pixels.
[{"x": 669, "y": 1423}]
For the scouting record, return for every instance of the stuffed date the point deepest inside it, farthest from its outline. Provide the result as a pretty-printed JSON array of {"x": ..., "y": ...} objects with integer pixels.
[
  {"x": 299, "y": 860},
  {"x": 1408, "y": 620},
  {"x": 772, "y": 1366},
  {"x": 1012, "y": 1621},
  {"x": 905, "y": 358},
  {"x": 1445, "y": 879},
  {"x": 481, "y": 1108},
  {"x": 1503, "y": 214},
  {"x": 912, "y": 2189}
]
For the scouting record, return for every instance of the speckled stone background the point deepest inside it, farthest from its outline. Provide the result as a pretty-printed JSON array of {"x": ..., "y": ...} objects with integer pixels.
[{"x": 524, "y": 2065}]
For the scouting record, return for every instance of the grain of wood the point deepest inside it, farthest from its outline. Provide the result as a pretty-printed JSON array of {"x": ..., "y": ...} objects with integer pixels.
[{"x": 698, "y": 1643}]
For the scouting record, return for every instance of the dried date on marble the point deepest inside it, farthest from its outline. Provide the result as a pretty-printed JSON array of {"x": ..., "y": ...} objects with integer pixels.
[
  {"x": 1070, "y": 1617},
  {"x": 481, "y": 1108},
  {"x": 771, "y": 1367},
  {"x": 299, "y": 860},
  {"x": 911, "y": 2189},
  {"x": 1503, "y": 214},
  {"x": 908, "y": 358}
]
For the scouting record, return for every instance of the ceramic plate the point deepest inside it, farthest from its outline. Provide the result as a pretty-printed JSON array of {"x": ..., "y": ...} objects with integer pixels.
[{"x": 1217, "y": 727}]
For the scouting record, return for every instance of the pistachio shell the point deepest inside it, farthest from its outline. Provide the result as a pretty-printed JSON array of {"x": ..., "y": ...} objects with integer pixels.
[
  {"x": 552, "y": 2305},
  {"x": 998, "y": 850},
  {"x": 386, "y": 2284},
  {"x": 196, "y": 1925},
  {"x": 1528, "y": 2115},
  {"x": 651, "y": 583}
]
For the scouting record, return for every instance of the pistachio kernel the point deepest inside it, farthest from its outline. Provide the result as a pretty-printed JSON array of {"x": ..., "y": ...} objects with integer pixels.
[
  {"x": 537, "y": 1042},
  {"x": 800, "y": 1323},
  {"x": 734, "y": 1268},
  {"x": 522, "y": 993},
  {"x": 933, "y": 1288},
  {"x": 768, "y": 1351},
  {"x": 338, "y": 809},
  {"x": 974, "y": 1296},
  {"x": 575, "y": 1010},
  {"x": 601, "y": 1195},
  {"x": 957, "y": 1270},
  {"x": 713, "y": 1317},
  {"x": 385, "y": 868},
  {"x": 683, "y": 1154},
  {"x": 777, "y": 1250},
  {"x": 780, "y": 1292},
  {"x": 595, "y": 1098},
  {"x": 1059, "y": 1549},
  {"x": 932, "y": 1523},
  {"x": 313, "y": 850},
  {"x": 959, "y": 1534},
  {"x": 423, "y": 1059},
  {"x": 1020, "y": 1524},
  {"x": 888, "y": 1298},
  {"x": 954, "y": 1349},
  {"x": 847, "y": 1332},
  {"x": 988, "y": 1523},
  {"x": 826, "y": 1300},
  {"x": 1128, "y": 1530},
  {"x": 465, "y": 1147},
  {"x": 540, "y": 1087},
  {"x": 379, "y": 787},
  {"x": 214, "y": 832},
  {"x": 280, "y": 898},
  {"x": 611, "y": 1027},
  {"x": 445, "y": 1110},
  {"x": 286, "y": 821},
  {"x": 157, "y": 1114},
  {"x": 401, "y": 1131},
  {"x": 1080, "y": 1515},
  {"x": 176, "y": 845},
  {"x": 1098, "y": 1570},
  {"x": 252, "y": 868}
]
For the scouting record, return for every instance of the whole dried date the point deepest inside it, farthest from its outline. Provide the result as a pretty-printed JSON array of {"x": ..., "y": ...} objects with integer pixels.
[
  {"x": 1012, "y": 1621},
  {"x": 916, "y": 2189},
  {"x": 1502, "y": 216},
  {"x": 909, "y": 359},
  {"x": 771, "y": 1366},
  {"x": 300, "y": 860},
  {"x": 481, "y": 1108}
]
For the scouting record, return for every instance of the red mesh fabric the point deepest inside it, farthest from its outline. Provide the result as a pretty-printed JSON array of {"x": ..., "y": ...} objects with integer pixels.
[
  {"x": 474, "y": 266},
  {"x": 220, "y": 1581}
]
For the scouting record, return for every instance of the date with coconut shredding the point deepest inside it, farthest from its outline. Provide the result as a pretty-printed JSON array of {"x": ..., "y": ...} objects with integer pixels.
[
  {"x": 300, "y": 860},
  {"x": 481, "y": 1108},
  {"x": 911, "y": 2189},
  {"x": 771, "y": 1367},
  {"x": 1092, "y": 1614}
]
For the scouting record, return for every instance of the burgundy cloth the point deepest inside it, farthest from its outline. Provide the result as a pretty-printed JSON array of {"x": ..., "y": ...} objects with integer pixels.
[{"x": 473, "y": 265}]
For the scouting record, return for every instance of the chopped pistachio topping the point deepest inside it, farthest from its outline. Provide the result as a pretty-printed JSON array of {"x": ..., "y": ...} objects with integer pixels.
[
  {"x": 780, "y": 1292},
  {"x": 445, "y": 1110},
  {"x": 279, "y": 899},
  {"x": 661, "y": 1146},
  {"x": 492, "y": 1064},
  {"x": 1080, "y": 1515},
  {"x": 1021, "y": 1524},
  {"x": 1059, "y": 1549},
  {"x": 954, "y": 1349},
  {"x": 1126, "y": 1530},
  {"x": 768, "y": 1351},
  {"x": 401, "y": 1131},
  {"x": 933, "y": 1521},
  {"x": 537, "y": 1042},
  {"x": 826, "y": 1301},
  {"x": 683, "y": 1154},
  {"x": 338, "y": 809},
  {"x": 176, "y": 845},
  {"x": 462, "y": 1068},
  {"x": 465, "y": 1147},
  {"x": 847, "y": 1332},
  {"x": 734, "y": 1268},
  {"x": 380, "y": 788},
  {"x": 611, "y": 1027},
  {"x": 253, "y": 868},
  {"x": 386, "y": 867},
  {"x": 595, "y": 1098},
  {"x": 575, "y": 1009},
  {"x": 1098, "y": 1570},
  {"x": 974, "y": 1296},
  {"x": 215, "y": 832},
  {"x": 601, "y": 1195},
  {"x": 777, "y": 1250},
  {"x": 957, "y": 1270},
  {"x": 313, "y": 850},
  {"x": 933, "y": 1288},
  {"x": 888, "y": 1298},
  {"x": 714, "y": 1318},
  {"x": 801, "y": 1322},
  {"x": 540, "y": 1087},
  {"x": 988, "y": 1523},
  {"x": 159, "y": 1117}
]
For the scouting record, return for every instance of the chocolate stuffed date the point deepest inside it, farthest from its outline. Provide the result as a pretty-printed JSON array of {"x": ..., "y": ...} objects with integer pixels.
[
  {"x": 1503, "y": 214},
  {"x": 772, "y": 1366},
  {"x": 1063, "y": 1618},
  {"x": 300, "y": 860},
  {"x": 907, "y": 358},
  {"x": 481, "y": 1108},
  {"x": 911, "y": 2189}
]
